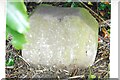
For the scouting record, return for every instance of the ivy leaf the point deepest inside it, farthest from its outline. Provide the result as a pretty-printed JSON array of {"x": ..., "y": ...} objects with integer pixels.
[{"x": 17, "y": 18}]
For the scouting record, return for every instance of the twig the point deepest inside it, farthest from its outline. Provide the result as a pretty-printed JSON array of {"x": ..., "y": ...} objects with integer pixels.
[
  {"x": 24, "y": 60},
  {"x": 74, "y": 77},
  {"x": 93, "y": 12},
  {"x": 74, "y": 72},
  {"x": 98, "y": 60},
  {"x": 15, "y": 69}
]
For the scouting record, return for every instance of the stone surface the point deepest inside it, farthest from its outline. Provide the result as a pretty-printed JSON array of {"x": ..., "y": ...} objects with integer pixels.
[{"x": 61, "y": 37}]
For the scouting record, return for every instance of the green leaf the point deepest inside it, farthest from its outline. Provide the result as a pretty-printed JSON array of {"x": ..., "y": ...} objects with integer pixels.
[
  {"x": 102, "y": 6},
  {"x": 17, "y": 18},
  {"x": 73, "y": 4},
  {"x": 92, "y": 76},
  {"x": 17, "y": 22},
  {"x": 108, "y": 12},
  {"x": 10, "y": 62},
  {"x": 89, "y": 3},
  {"x": 108, "y": 31},
  {"x": 18, "y": 39},
  {"x": 109, "y": 7}
]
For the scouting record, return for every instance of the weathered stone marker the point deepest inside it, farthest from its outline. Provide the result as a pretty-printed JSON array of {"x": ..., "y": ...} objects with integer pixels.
[{"x": 61, "y": 36}]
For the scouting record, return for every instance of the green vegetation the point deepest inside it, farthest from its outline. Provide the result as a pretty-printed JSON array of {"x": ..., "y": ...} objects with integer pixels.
[{"x": 17, "y": 22}]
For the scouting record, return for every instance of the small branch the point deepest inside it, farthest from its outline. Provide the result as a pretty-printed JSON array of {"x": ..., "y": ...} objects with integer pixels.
[
  {"x": 24, "y": 60},
  {"x": 74, "y": 77},
  {"x": 93, "y": 12}
]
